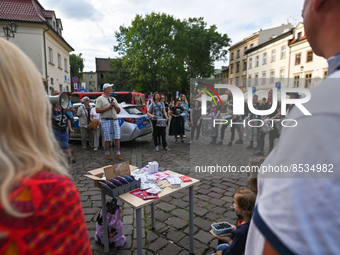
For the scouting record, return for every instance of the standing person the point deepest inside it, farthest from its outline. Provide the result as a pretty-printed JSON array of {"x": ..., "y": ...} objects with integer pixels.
[
  {"x": 40, "y": 208},
  {"x": 177, "y": 121},
  {"x": 108, "y": 108},
  {"x": 98, "y": 132},
  {"x": 157, "y": 110},
  {"x": 254, "y": 131},
  {"x": 60, "y": 122},
  {"x": 70, "y": 109},
  {"x": 84, "y": 112},
  {"x": 196, "y": 116},
  {"x": 307, "y": 202},
  {"x": 185, "y": 106}
]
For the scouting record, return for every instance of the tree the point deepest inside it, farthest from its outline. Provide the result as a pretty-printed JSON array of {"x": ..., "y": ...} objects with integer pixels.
[
  {"x": 161, "y": 53},
  {"x": 77, "y": 66}
]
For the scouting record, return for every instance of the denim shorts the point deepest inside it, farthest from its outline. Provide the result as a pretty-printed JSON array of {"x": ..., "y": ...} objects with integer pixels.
[{"x": 62, "y": 138}]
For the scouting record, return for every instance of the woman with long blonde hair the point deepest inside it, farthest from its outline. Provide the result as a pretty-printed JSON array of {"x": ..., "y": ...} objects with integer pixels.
[{"x": 40, "y": 209}]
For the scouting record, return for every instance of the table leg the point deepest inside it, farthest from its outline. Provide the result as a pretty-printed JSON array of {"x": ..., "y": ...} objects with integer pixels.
[
  {"x": 105, "y": 234},
  {"x": 191, "y": 220},
  {"x": 139, "y": 231},
  {"x": 153, "y": 216}
]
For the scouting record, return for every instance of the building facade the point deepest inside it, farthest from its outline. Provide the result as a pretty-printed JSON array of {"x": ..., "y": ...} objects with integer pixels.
[
  {"x": 39, "y": 35},
  {"x": 90, "y": 80},
  {"x": 102, "y": 68}
]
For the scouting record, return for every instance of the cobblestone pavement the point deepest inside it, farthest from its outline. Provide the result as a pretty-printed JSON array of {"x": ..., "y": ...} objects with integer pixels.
[{"x": 213, "y": 195}]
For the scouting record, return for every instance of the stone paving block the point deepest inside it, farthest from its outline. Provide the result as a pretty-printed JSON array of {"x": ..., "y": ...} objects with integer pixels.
[
  {"x": 186, "y": 231},
  {"x": 171, "y": 249},
  {"x": 218, "y": 190},
  {"x": 127, "y": 229},
  {"x": 180, "y": 203},
  {"x": 204, "y": 237},
  {"x": 215, "y": 195},
  {"x": 150, "y": 236},
  {"x": 203, "y": 197},
  {"x": 214, "y": 244},
  {"x": 88, "y": 217},
  {"x": 86, "y": 204},
  {"x": 144, "y": 252},
  {"x": 128, "y": 219},
  {"x": 200, "y": 211},
  {"x": 92, "y": 211},
  {"x": 211, "y": 216},
  {"x": 175, "y": 235},
  {"x": 227, "y": 199},
  {"x": 183, "y": 214},
  {"x": 203, "y": 191},
  {"x": 158, "y": 244},
  {"x": 166, "y": 206},
  {"x": 134, "y": 243},
  {"x": 161, "y": 216},
  {"x": 128, "y": 211},
  {"x": 90, "y": 193},
  {"x": 167, "y": 199},
  {"x": 84, "y": 198},
  {"x": 175, "y": 222},
  {"x": 217, "y": 202},
  {"x": 218, "y": 210},
  {"x": 128, "y": 243},
  {"x": 199, "y": 248},
  {"x": 203, "y": 224},
  {"x": 201, "y": 203}
]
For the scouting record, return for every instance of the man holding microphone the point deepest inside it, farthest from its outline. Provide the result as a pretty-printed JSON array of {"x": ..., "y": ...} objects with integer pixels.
[{"x": 108, "y": 108}]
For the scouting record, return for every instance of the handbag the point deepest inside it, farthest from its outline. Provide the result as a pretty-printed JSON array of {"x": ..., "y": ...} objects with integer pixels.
[{"x": 160, "y": 121}]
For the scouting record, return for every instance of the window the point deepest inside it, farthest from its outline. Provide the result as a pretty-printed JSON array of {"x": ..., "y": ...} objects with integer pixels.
[
  {"x": 101, "y": 76},
  {"x": 264, "y": 58},
  {"x": 299, "y": 36},
  {"x": 60, "y": 88},
  {"x": 272, "y": 74},
  {"x": 283, "y": 52},
  {"x": 90, "y": 83},
  {"x": 249, "y": 81},
  {"x": 250, "y": 63},
  {"x": 50, "y": 56},
  {"x": 237, "y": 81},
  {"x": 264, "y": 77},
  {"x": 282, "y": 74},
  {"x": 251, "y": 45},
  {"x": 308, "y": 81},
  {"x": 324, "y": 74},
  {"x": 90, "y": 75},
  {"x": 256, "y": 80},
  {"x": 296, "y": 81},
  {"x": 244, "y": 81},
  {"x": 231, "y": 81},
  {"x": 232, "y": 56},
  {"x": 238, "y": 53},
  {"x": 309, "y": 56},
  {"x": 65, "y": 65},
  {"x": 231, "y": 69},
  {"x": 245, "y": 49},
  {"x": 298, "y": 59},
  {"x": 52, "y": 81},
  {"x": 257, "y": 61},
  {"x": 244, "y": 65},
  {"x": 237, "y": 67},
  {"x": 59, "y": 61},
  {"x": 273, "y": 55}
]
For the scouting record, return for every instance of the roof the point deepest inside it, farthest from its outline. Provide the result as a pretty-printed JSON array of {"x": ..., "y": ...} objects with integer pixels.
[
  {"x": 28, "y": 11},
  {"x": 295, "y": 40},
  {"x": 103, "y": 65}
]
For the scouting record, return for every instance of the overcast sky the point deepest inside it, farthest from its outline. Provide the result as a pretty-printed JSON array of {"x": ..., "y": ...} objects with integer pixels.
[{"x": 89, "y": 25}]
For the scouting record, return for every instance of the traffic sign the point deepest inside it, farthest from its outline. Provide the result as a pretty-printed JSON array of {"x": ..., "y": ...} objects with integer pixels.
[
  {"x": 75, "y": 79},
  {"x": 278, "y": 85},
  {"x": 254, "y": 90}
]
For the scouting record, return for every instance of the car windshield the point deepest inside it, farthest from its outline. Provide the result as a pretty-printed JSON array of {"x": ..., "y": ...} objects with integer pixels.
[{"x": 134, "y": 110}]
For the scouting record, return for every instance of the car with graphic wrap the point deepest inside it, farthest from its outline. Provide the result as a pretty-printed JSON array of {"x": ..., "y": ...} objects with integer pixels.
[{"x": 133, "y": 122}]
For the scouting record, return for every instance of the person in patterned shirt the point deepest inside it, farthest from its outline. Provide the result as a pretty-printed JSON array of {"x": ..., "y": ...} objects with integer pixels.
[{"x": 40, "y": 208}]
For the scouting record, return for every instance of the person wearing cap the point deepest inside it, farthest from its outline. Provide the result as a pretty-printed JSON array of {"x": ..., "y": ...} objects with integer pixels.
[
  {"x": 83, "y": 113},
  {"x": 108, "y": 108}
]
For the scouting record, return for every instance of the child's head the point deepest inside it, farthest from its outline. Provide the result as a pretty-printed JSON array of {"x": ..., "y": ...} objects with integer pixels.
[{"x": 244, "y": 203}]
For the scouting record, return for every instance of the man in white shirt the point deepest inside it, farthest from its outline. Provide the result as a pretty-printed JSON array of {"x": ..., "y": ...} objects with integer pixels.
[{"x": 297, "y": 212}]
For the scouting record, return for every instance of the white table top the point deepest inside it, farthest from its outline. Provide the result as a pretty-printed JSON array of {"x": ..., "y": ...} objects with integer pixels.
[{"x": 137, "y": 202}]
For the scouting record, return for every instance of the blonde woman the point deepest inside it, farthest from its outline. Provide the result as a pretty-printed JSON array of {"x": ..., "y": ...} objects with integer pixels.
[{"x": 40, "y": 209}]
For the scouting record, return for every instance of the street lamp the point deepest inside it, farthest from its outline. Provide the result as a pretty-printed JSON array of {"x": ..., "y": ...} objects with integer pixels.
[{"x": 10, "y": 30}]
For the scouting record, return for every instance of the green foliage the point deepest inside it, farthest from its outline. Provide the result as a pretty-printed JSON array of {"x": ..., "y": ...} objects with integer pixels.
[
  {"x": 161, "y": 53},
  {"x": 77, "y": 65}
]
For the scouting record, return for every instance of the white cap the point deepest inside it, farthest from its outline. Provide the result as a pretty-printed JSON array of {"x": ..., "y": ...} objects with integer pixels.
[{"x": 106, "y": 85}]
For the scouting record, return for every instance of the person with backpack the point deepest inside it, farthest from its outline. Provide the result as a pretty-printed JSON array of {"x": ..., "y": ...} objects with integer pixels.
[
  {"x": 157, "y": 111},
  {"x": 84, "y": 113}
]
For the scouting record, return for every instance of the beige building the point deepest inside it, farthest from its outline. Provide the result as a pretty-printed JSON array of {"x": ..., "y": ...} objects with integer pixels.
[
  {"x": 39, "y": 35},
  {"x": 90, "y": 79},
  {"x": 239, "y": 63},
  {"x": 306, "y": 70}
]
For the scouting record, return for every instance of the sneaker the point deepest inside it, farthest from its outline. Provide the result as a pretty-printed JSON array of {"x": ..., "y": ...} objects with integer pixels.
[
  {"x": 190, "y": 142},
  {"x": 167, "y": 148},
  {"x": 119, "y": 157},
  {"x": 108, "y": 156},
  {"x": 184, "y": 136},
  {"x": 157, "y": 149},
  {"x": 240, "y": 141},
  {"x": 230, "y": 143},
  {"x": 95, "y": 149},
  {"x": 220, "y": 143}
]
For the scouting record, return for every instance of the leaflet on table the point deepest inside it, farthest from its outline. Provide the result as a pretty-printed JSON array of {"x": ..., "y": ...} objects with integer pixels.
[{"x": 143, "y": 194}]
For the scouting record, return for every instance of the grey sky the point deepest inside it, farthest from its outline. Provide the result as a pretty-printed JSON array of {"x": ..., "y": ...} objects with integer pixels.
[{"x": 89, "y": 25}]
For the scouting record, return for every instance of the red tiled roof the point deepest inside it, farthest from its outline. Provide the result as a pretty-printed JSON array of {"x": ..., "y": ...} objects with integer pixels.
[
  {"x": 21, "y": 10},
  {"x": 297, "y": 40},
  {"x": 102, "y": 65}
]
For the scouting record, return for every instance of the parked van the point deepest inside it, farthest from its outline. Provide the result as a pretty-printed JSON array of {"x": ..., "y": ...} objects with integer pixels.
[{"x": 135, "y": 98}]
